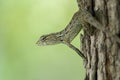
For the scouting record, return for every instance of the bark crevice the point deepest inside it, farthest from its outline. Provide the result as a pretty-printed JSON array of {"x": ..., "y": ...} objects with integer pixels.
[{"x": 101, "y": 50}]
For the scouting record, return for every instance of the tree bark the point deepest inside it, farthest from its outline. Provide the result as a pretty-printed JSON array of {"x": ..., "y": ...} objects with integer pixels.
[{"x": 101, "y": 50}]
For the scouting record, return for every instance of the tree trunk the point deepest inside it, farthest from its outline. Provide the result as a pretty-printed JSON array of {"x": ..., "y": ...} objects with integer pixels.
[{"x": 101, "y": 50}]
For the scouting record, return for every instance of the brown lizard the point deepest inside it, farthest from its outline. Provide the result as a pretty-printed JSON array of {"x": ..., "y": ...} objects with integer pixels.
[
  {"x": 65, "y": 36},
  {"x": 70, "y": 32},
  {"x": 79, "y": 19}
]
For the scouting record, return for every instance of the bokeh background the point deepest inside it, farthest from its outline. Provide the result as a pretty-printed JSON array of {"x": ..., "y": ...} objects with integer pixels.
[{"x": 21, "y": 24}]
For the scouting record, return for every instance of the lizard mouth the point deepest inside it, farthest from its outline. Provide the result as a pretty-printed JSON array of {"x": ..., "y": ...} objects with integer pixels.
[{"x": 39, "y": 43}]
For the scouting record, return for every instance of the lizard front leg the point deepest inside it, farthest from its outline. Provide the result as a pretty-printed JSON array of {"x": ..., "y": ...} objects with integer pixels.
[
  {"x": 75, "y": 49},
  {"x": 92, "y": 21}
]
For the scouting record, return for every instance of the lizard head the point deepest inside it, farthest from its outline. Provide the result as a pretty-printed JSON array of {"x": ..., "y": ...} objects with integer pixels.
[{"x": 49, "y": 39}]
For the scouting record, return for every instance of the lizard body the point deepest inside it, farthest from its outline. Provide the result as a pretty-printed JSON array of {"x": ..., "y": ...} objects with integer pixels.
[
  {"x": 65, "y": 36},
  {"x": 79, "y": 19},
  {"x": 70, "y": 32}
]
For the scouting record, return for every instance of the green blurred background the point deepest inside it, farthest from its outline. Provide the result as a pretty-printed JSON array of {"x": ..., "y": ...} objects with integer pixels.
[{"x": 21, "y": 24}]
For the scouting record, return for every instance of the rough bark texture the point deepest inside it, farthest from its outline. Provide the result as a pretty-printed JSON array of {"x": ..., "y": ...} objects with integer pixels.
[{"x": 101, "y": 50}]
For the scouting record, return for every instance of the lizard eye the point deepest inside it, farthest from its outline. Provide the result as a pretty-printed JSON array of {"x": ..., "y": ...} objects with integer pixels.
[{"x": 42, "y": 37}]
